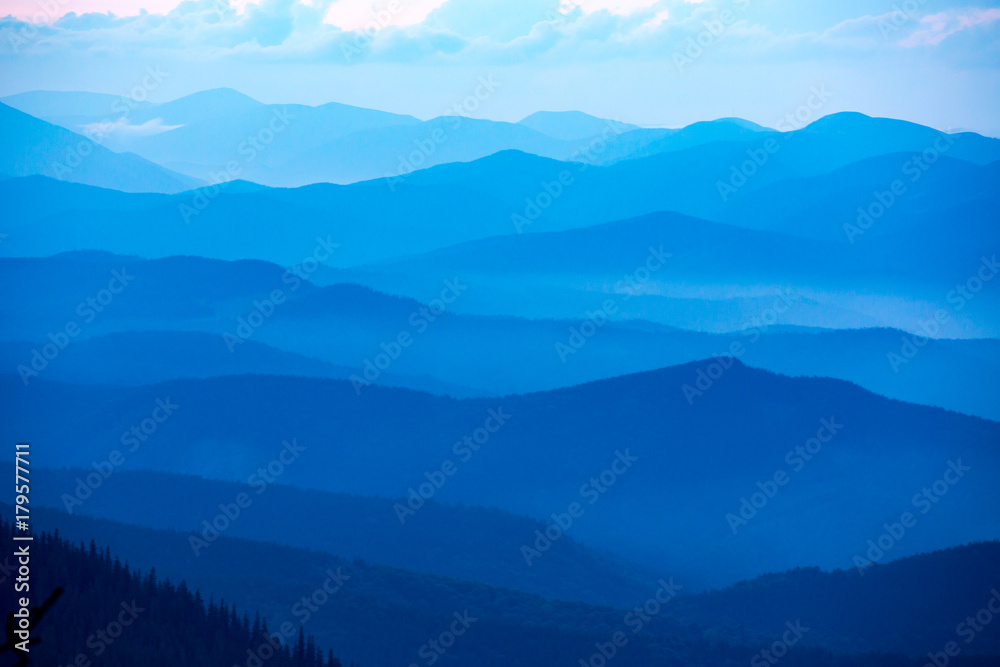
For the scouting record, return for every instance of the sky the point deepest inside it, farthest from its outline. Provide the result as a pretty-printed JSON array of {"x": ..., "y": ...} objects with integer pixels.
[{"x": 650, "y": 62}]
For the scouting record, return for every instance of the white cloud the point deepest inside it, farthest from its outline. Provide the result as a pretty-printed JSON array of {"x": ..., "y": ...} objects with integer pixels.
[
  {"x": 620, "y": 7},
  {"x": 122, "y": 127},
  {"x": 358, "y": 15},
  {"x": 482, "y": 31}
]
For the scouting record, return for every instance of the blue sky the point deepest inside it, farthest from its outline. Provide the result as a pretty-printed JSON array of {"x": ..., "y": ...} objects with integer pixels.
[{"x": 666, "y": 62}]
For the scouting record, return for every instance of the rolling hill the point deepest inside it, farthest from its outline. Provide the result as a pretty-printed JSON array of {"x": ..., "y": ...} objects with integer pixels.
[
  {"x": 404, "y": 609},
  {"x": 165, "y": 327},
  {"x": 461, "y": 542},
  {"x": 32, "y": 146},
  {"x": 666, "y": 447}
]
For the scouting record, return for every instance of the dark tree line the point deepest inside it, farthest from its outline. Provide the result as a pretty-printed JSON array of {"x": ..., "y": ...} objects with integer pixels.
[{"x": 110, "y": 616}]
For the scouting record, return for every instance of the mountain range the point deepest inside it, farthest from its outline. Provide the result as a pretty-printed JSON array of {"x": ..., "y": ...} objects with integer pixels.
[
  {"x": 515, "y": 376},
  {"x": 405, "y": 608},
  {"x": 339, "y": 331},
  {"x": 550, "y": 450}
]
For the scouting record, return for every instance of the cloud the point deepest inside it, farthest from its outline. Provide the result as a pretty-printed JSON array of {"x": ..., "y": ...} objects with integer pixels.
[
  {"x": 621, "y": 7},
  {"x": 91, "y": 21},
  {"x": 935, "y": 28},
  {"x": 863, "y": 32},
  {"x": 360, "y": 15},
  {"x": 47, "y": 11},
  {"x": 121, "y": 127},
  {"x": 484, "y": 31},
  {"x": 499, "y": 20}
]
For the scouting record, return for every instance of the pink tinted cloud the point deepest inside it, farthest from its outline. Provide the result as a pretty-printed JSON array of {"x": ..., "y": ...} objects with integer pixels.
[
  {"x": 934, "y": 28},
  {"x": 46, "y": 11}
]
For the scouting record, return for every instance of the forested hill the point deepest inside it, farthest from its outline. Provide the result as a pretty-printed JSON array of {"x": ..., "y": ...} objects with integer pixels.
[
  {"x": 381, "y": 616},
  {"x": 91, "y": 609}
]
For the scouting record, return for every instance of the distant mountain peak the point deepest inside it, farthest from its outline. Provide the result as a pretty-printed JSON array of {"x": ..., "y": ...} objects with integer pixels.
[
  {"x": 560, "y": 115},
  {"x": 746, "y": 124},
  {"x": 841, "y": 120},
  {"x": 215, "y": 94},
  {"x": 99, "y": 256},
  {"x": 33, "y": 146},
  {"x": 572, "y": 125}
]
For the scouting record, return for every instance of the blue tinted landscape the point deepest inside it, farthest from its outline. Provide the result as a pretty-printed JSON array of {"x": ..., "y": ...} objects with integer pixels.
[{"x": 291, "y": 379}]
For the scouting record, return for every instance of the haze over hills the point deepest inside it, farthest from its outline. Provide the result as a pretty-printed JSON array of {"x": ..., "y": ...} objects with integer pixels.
[
  {"x": 78, "y": 584},
  {"x": 866, "y": 608},
  {"x": 907, "y": 263},
  {"x": 702, "y": 181},
  {"x": 820, "y": 206},
  {"x": 697, "y": 250},
  {"x": 508, "y": 193},
  {"x": 164, "y": 327},
  {"x": 573, "y": 125},
  {"x": 959, "y": 579},
  {"x": 58, "y": 106},
  {"x": 32, "y": 146},
  {"x": 706, "y": 454},
  {"x": 214, "y": 224},
  {"x": 201, "y": 133},
  {"x": 469, "y": 543},
  {"x": 899, "y": 279},
  {"x": 468, "y": 334},
  {"x": 222, "y": 134},
  {"x": 124, "y": 358},
  {"x": 522, "y": 369},
  {"x": 405, "y": 608}
]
